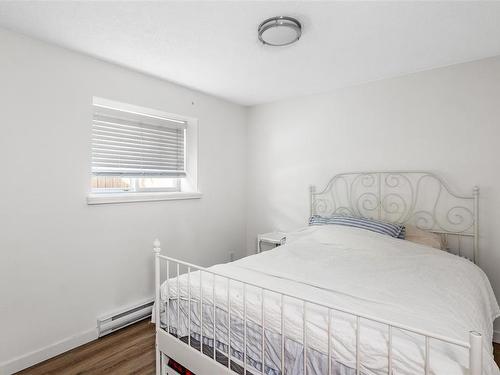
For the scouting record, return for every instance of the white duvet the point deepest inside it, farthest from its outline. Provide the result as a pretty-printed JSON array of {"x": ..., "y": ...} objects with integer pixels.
[{"x": 371, "y": 274}]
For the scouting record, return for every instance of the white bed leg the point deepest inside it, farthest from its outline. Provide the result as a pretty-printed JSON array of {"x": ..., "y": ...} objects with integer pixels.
[
  {"x": 476, "y": 353},
  {"x": 156, "y": 251}
]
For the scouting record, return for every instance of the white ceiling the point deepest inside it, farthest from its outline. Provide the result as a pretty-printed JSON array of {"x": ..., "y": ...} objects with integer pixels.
[{"x": 213, "y": 46}]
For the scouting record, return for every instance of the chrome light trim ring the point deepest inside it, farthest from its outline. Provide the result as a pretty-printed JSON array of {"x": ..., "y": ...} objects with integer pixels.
[{"x": 280, "y": 21}]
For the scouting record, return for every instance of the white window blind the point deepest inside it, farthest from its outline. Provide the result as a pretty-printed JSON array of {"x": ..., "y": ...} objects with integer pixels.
[{"x": 131, "y": 144}]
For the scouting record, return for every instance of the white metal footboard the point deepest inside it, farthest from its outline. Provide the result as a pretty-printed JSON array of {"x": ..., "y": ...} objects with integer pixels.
[{"x": 194, "y": 359}]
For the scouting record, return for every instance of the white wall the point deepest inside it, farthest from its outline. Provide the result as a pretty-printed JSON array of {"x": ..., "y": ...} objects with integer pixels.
[
  {"x": 444, "y": 120},
  {"x": 62, "y": 262}
]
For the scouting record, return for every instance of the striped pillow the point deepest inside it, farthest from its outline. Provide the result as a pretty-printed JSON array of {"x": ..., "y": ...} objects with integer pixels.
[{"x": 382, "y": 227}]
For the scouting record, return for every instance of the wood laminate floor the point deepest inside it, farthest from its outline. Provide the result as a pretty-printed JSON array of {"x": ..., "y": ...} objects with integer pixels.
[
  {"x": 497, "y": 353},
  {"x": 128, "y": 351}
]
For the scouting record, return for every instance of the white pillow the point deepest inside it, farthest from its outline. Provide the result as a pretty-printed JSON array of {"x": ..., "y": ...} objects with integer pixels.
[{"x": 423, "y": 237}]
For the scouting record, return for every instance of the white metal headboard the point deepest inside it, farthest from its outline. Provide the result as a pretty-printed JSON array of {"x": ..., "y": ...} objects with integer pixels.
[{"x": 421, "y": 199}]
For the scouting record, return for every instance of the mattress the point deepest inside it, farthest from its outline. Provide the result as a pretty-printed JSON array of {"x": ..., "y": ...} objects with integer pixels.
[{"x": 353, "y": 269}]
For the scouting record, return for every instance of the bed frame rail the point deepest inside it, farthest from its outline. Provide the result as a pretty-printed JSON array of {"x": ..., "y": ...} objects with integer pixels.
[{"x": 181, "y": 350}]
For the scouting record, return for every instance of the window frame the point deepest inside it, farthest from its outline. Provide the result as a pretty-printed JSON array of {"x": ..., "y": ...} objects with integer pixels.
[{"x": 187, "y": 187}]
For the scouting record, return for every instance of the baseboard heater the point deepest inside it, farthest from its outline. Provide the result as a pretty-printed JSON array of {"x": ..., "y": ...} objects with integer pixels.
[{"x": 125, "y": 317}]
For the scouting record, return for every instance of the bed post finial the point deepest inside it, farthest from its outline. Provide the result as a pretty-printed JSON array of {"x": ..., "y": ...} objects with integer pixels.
[{"x": 156, "y": 246}]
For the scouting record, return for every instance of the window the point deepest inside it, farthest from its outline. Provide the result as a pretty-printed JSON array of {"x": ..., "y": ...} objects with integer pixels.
[
  {"x": 114, "y": 184},
  {"x": 139, "y": 151}
]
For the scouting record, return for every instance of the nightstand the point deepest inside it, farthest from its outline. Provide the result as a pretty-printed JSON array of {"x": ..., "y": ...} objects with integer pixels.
[{"x": 274, "y": 239}]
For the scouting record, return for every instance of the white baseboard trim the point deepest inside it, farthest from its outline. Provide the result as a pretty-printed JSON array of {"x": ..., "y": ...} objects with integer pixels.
[
  {"x": 496, "y": 337},
  {"x": 19, "y": 363}
]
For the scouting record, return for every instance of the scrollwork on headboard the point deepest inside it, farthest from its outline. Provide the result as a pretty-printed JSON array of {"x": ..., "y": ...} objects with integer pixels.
[{"x": 421, "y": 199}]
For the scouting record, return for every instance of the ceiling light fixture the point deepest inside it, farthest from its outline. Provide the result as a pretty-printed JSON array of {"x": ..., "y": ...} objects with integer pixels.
[{"x": 280, "y": 31}]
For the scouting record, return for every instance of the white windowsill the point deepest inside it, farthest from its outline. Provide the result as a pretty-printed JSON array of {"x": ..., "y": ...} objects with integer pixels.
[{"x": 106, "y": 198}]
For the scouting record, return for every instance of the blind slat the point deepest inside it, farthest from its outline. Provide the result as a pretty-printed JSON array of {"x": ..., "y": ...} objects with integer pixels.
[
  {"x": 132, "y": 152},
  {"x": 131, "y": 144},
  {"x": 159, "y": 167},
  {"x": 100, "y": 155},
  {"x": 126, "y": 147},
  {"x": 120, "y": 162},
  {"x": 138, "y": 163},
  {"x": 131, "y": 172},
  {"x": 97, "y": 133},
  {"x": 125, "y": 139},
  {"x": 119, "y": 115},
  {"x": 167, "y": 132}
]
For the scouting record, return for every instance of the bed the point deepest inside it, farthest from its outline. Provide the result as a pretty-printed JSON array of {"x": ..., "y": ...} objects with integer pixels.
[{"x": 349, "y": 301}]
